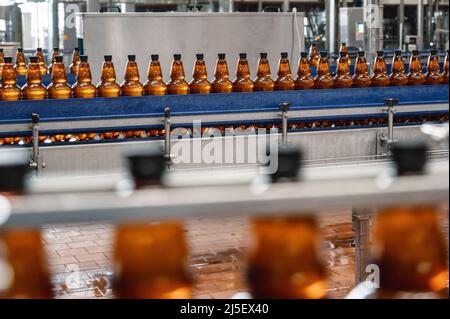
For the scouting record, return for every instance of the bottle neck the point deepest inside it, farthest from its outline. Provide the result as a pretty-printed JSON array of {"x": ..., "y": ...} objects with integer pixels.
[
  {"x": 20, "y": 58},
  {"x": 2, "y": 57},
  {"x": 75, "y": 57},
  {"x": 108, "y": 72},
  {"x": 415, "y": 65},
  {"x": 8, "y": 74},
  {"x": 177, "y": 70},
  {"x": 132, "y": 71},
  {"x": 200, "y": 70},
  {"x": 33, "y": 74},
  {"x": 323, "y": 67},
  {"x": 243, "y": 71},
  {"x": 379, "y": 66},
  {"x": 59, "y": 73},
  {"x": 361, "y": 66},
  {"x": 398, "y": 65},
  {"x": 343, "y": 67},
  {"x": 263, "y": 68},
  {"x": 40, "y": 57},
  {"x": 433, "y": 64},
  {"x": 221, "y": 71},
  {"x": 154, "y": 71},
  {"x": 446, "y": 64},
  {"x": 284, "y": 69},
  {"x": 84, "y": 73},
  {"x": 304, "y": 68}
]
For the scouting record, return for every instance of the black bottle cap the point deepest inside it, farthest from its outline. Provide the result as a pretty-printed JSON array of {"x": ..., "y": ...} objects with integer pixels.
[
  {"x": 58, "y": 58},
  {"x": 343, "y": 44},
  {"x": 177, "y": 56},
  {"x": 83, "y": 58},
  {"x": 147, "y": 165},
  {"x": 409, "y": 157},
  {"x": 221, "y": 56},
  {"x": 14, "y": 168},
  {"x": 415, "y": 52},
  {"x": 288, "y": 164},
  {"x": 323, "y": 54},
  {"x": 1, "y": 50},
  {"x": 38, "y": 49},
  {"x": 33, "y": 59},
  {"x": 200, "y": 56},
  {"x": 433, "y": 52},
  {"x": 284, "y": 55},
  {"x": 131, "y": 58},
  {"x": 263, "y": 55},
  {"x": 20, "y": 50},
  {"x": 398, "y": 53},
  {"x": 56, "y": 49},
  {"x": 76, "y": 49},
  {"x": 304, "y": 55},
  {"x": 313, "y": 44},
  {"x": 380, "y": 53},
  {"x": 8, "y": 59},
  {"x": 342, "y": 54},
  {"x": 361, "y": 54},
  {"x": 154, "y": 57},
  {"x": 108, "y": 58},
  {"x": 242, "y": 55}
]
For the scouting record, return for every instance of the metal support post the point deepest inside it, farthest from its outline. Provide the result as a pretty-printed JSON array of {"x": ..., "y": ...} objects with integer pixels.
[{"x": 361, "y": 220}]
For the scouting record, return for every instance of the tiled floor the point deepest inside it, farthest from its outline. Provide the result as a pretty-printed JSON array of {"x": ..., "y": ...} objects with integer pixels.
[{"x": 80, "y": 256}]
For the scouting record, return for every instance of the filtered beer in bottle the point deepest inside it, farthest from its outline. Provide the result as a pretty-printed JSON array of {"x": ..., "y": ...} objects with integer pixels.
[
  {"x": 409, "y": 248},
  {"x": 83, "y": 88},
  {"x": 55, "y": 53},
  {"x": 59, "y": 89},
  {"x": 323, "y": 79},
  {"x": 155, "y": 84},
  {"x": 40, "y": 55},
  {"x": 33, "y": 89},
  {"x": 380, "y": 77},
  {"x": 343, "y": 78},
  {"x": 284, "y": 79},
  {"x": 398, "y": 75},
  {"x": 73, "y": 68},
  {"x": 9, "y": 91},
  {"x": 108, "y": 87},
  {"x": 313, "y": 58},
  {"x": 200, "y": 83},
  {"x": 131, "y": 85},
  {"x": 263, "y": 82},
  {"x": 20, "y": 67},
  {"x": 361, "y": 78},
  {"x": 415, "y": 75},
  {"x": 446, "y": 66},
  {"x": 221, "y": 83},
  {"x": 433, "y": 75},
  {"x": 304, "y": 80},
  {"x": 177, "y": 84},
  {"x": 243, "y": 83}
]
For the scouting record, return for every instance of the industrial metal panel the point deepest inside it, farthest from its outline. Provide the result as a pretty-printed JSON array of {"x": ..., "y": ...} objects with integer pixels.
[
  {"x": 351, "y": 20},
  {"x": 189, "y": 33}
]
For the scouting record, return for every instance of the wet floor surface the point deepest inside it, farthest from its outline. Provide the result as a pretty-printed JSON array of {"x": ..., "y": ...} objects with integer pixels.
[{"x": 80, "y": 256}]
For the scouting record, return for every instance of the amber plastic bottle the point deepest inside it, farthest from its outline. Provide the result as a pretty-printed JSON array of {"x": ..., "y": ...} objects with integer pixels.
[
  {"x": 313, "y": 58},
  {"x": 107, "y": 87},
  {"x": 33, "y": 89},
  {"x": 55, "y": 53},
  {"x": 221, "y": 83},
  {"x": 343, "y": 48},
  {"x": 59, "y": 89},
  {"x": 83, "y": 88},
  {"x": 263, "y": 82},
  {"x": 2, "y": 58},
  {"x": 433, "y": 75},
  {"x": 343, "y": 78},
  {"x": 323, "y": 79},
  {"x": 150, "y": 262},
  {"x": 284, "y": 260},
  {"x": 243, "y": 83},
  {"x": 20, "y": 67},
  {"x": 380, "y": 77},
  {"x": 73, "y": 68},
  {"x": 155, "y": 84},
  {"x": 131, "y": 85},
  {"x": 284, "y": 80},
  {"x": 361, "y": 78},
  {"x": 415, "y": 75},
  {"x": 304, "y": 80},
  {"x": 199, "y": 83},
  {"x": 445, "y": 74},
  {"x": 398, "y": 75},
  {"x": 40, "y": 55},
  {"x": 177, "y": 83},
  {"x": 409, "y": 248},
  {"x": 9, "y": 91}
]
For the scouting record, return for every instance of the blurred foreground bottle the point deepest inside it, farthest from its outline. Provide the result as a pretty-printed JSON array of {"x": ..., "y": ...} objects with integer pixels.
[
  {"x": 243, "y": 83},
  {"x": 221, "y": 83},
  {"x": 108, "y": 87},
  {"x": 40, "y": 55},
  {"x": 59, "y": 89},
  {"x": 200, "y": 83},
  {"x": 177, "y": 83},
  {"x": 343, "y": 78},
  {"x": 263, "y": 82},
  {"x": 73, "y": 68},
  {"x": 409, "y": 248},
  {"x": 415, "y": 75},
  {"x": 304, "y": 80},
  {"x": 313, "y": 58},
  {"x": 155, "y": 84},
  {"x": 379, "y": 76},
  {"x": 83, "y": 88},
  {"x": 284, "y": 79},
  {"x": 361, "y": 78},
  {"x": 9, "y": 91},
  {"x": 398, "y": 75},
  {"x": 131, "y": 85},
  {"x": 445, "y": 74},
  {"x": 323, "y": 79},
  {"x": 433, "y": 75},
  {"x": 20, "y": 67},
  {"x": 33, "y": 89},
  {"x": 55, "y": 53}
]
